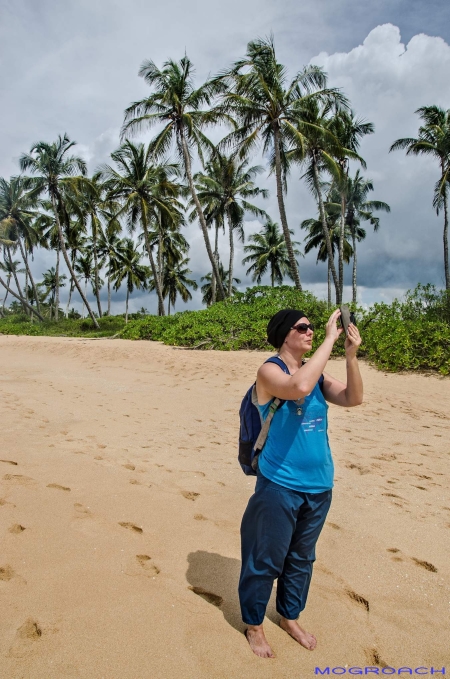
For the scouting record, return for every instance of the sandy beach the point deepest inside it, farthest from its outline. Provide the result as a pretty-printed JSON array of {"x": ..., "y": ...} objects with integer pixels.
[{"x": 120, "y": 505}]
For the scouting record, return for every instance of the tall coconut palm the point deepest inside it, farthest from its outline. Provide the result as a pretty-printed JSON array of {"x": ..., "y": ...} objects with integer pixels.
[
  {"x": 109, "y": 250},
  {"x": 17, "y": 209},
  {"x": 146, "y": 190},
  {"x": 207, "y": 288},
  {"x": 434, "y": 141},
  {"x": 129, "y": 269},
  {"x": 315, "y": 239},
  {"x": 176, "y": 282},
  {"x": 360, "y": 209},
  {"x": 268, "y": 252},
  {"x": 51, "y": 282},
  {"x": 54, "y": 169},
  {"x": 225, "y": 187},
  {"x": 266, "y": 106},
  {"x": 177, "y": 104},
  {"x": 86, "y": 270},
  {"x": 349, "y": 131}
]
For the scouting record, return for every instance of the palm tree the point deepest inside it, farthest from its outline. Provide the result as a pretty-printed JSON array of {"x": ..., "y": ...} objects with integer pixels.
[
  {"x": 11, "y": 268},
  {"x": 268, "y": 252},
  {"x": 129, "y": 269},
  {"x": 109, "y": 248},
  {"x": 55, "y": 170},
  {"x": 85, "y": 268},
  {"x": 177, "y": 105},
  {"x": 434, "y": 140},
  {"x": 176, "y": 282},
  {"x": 320, "y": 150},
  {"x": 266, "y": 106},
  {"x": 349, "y": 131},
  {"x": 17, "y": 203},
  {"x": 207, "y": 288},
  {"x": 225, "y": 187},
  {"x": 146, "y": 190},
  {"x": 315, "y": 239},
  {"x": 51, "y": 282},
  {"x": 360, "y": 209}
]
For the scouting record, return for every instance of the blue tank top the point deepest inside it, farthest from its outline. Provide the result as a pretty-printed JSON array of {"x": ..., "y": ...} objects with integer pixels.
[{"x": 297, "y": 453}]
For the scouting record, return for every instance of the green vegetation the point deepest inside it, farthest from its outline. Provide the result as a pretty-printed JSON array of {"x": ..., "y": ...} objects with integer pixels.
[{"x": 413, "y": 334}]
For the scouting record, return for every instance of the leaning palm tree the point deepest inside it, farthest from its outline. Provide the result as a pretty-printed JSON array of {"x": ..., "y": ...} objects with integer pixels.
[
  {"x": 176, "y": 104},
  {"x": 109, "y": 248},
  {"x": 176, "y": 282},
  {"x": 225, "y": 187},
  {"x": 51, "y": 282},
  {"x": 434, "y": 141},
  {"x": 54, "y": 170},
  {"x": 11, "y": 268},
  {"x": 85, "y": 268},
  {"x": 207, "y": 288},
  {"x": 17, "y": 210},
  {"x": 129, "y": 269},
  {"x": 266, "y": 106},
  {"x": 268, "y": 252},
  {"x": 360, "y": 209},
  {"x": 145, "y": 190}
]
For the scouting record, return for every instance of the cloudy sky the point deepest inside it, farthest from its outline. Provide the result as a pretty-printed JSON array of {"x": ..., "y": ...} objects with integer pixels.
[{"x": 72, "y": 67}]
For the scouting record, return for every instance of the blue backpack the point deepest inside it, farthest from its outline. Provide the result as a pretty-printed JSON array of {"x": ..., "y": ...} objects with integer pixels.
[{"x": 253, "y": 430}]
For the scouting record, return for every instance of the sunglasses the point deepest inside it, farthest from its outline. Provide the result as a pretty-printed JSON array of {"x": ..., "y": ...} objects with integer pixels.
[{"x": 303, "y": 327}]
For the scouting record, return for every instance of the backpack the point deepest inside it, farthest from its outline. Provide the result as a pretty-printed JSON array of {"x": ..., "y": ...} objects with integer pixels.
[{"x": 253, "y": 430}]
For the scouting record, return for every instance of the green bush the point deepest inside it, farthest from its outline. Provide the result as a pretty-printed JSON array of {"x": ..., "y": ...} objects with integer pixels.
[{"x": 20, "y": 324}]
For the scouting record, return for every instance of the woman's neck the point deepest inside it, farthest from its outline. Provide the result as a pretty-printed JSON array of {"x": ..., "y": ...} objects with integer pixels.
[{"x": 293, "y": 361}]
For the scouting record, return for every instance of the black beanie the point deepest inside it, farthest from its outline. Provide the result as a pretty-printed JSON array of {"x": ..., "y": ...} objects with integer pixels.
[{"x": 280, "y": 324}]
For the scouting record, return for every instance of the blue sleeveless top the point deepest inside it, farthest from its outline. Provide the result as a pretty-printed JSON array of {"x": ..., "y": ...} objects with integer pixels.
[{"x": 297, "y": 453}]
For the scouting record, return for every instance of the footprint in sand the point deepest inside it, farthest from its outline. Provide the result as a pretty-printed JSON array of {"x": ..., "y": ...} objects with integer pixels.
[
  {"x": 210, "y": 597},
  {"x": 9, "y": 462},
  {"x": 189, "y": 495},
  {"x": 358, "y": 599},
  {"x": 200, "y": 517},
  {"x": 26, "y": 637},
  {"x": 333, "y": 525},
  {"x": 6, "y": 573},
  {"x": 373, "y": 658},
  {"x": 57, "y": 486},
  {"x": 16, "y": 528},
  {"x": 145, "y": 562},
  {"x": 19, "y": 479},
  {"x": 82, "y": 512},
  {"x": 425, "y": 564},
  {"x": 129, "y": 466},
  {"x": 131, "y": 526}
]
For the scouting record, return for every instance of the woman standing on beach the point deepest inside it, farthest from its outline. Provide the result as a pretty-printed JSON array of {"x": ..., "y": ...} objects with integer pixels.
[{"x": 284, "y": 517}]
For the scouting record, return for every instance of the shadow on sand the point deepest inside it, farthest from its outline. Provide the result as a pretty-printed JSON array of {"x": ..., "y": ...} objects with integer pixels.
[{"x": 215, "y": 578}]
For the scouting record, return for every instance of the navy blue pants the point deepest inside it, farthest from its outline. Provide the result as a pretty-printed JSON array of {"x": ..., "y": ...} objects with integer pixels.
[{"x": 279, "y": 531}]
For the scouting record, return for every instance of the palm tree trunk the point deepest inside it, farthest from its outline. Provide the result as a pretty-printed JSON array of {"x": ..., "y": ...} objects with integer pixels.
[
  {"x": 201, "y": 216},
  {"x": 8, "y": 281},
  {"x": 284, "y": 224},
  {"x": 23, "y": 301},
  {"x": 326, "y": 231},
  {"x": 152, "y": 264},
  {"x": 446, "y": 265},
  {"x": 28, "y": 268},
  {"x": 329, "y": 284},
  {"x": 109, "y": 292},
  {"x": 69, "y": 265},
  {"x": 97, "y": 286},
  {"x": 57, "y": 284},
  {"x": 16, "y": 280},
  {"x": 341, "y": 249},
  {"x": 126, "y": 306},
  {"x": 216, "y": 257},
  {"x": 230, "y": 268},
  {"x": 354, "y": 268},
  {"x": 71, "y": 286},
  {"x": 160, "y": 267},
  {"x": 168, "y": 307}
]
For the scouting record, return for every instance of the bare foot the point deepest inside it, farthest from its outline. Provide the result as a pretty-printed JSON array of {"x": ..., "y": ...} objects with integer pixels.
[
  {"x": 258, "y": 642},
  {"x": 303, "y": 637}
]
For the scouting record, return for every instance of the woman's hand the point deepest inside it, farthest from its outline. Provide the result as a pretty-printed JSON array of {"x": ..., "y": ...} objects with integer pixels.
[
  {"x": 331, "y": 329},
  {"x": 352, "y": 341}
]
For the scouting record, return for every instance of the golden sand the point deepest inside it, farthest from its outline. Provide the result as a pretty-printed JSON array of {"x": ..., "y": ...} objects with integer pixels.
[{"x": 120, "y": 504}]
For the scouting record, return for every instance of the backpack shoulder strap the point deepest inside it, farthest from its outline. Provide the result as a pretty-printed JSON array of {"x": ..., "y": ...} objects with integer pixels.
[{"x": 279, "y": 361}]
